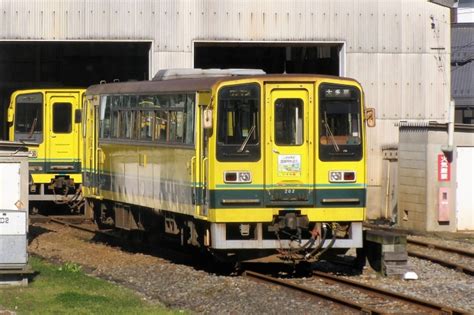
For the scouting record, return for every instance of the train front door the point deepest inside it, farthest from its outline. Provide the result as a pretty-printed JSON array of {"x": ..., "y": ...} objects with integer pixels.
[
  {"x": 62, "y": 146},
  {"x": 289, "y": 143}
]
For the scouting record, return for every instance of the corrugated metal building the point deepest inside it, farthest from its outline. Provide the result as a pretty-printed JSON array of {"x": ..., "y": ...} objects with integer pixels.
[
  {"x": 462, "y": 61},
  {"x": 398, "y": 49}
]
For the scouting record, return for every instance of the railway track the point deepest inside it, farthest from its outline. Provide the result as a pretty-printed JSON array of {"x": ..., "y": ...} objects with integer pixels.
[
  {"x": 123, "y": 240},
  {"x": 77, "y": 223},
  {"x": 455, "y": 258},
  {"x": 369, "y": 299}
]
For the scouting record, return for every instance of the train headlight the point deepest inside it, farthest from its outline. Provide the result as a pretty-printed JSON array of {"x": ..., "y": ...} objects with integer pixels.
[
  {"x": 244, "y": 177},
  {"x": 342, "y": 176},
  {"x": 237, "y": 177},
  {"x": 335, "y": 176}
]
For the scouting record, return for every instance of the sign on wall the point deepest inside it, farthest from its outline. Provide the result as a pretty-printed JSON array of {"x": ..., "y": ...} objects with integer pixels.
[{"x": 444, "y": 168}]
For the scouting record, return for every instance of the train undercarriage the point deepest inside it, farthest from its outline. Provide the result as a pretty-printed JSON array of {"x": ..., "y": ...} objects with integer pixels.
[{"x": 290, "y": 237}]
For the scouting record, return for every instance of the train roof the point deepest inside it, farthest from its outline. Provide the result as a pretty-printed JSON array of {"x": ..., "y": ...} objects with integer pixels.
[
  {"x": 195, "y": 84},
  {"x": 182, "y": 85}
]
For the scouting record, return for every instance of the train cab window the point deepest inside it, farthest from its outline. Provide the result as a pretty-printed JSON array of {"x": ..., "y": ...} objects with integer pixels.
[
  {"x": 289, "y": 122},
  {"x": 238, "y": 123},
  {"x": 340, "y": 123},
  {"x": 62, "y": 117},
  {"x": 29, "y": 117}
]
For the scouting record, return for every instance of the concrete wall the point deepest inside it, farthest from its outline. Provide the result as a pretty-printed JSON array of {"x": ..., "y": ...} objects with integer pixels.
[
  {"x": 419, "y": 185},
  {"x": 412, "y": 179}
]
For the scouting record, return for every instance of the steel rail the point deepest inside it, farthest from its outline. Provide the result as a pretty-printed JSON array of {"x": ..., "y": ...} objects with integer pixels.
[
  {"x": 465, "y": 269},
  {"x": 76, "y": 226},
  {"x": 386, "y": 293},
  {"x": 353, "y": 305},
  {"x": 440, "y": 247}
]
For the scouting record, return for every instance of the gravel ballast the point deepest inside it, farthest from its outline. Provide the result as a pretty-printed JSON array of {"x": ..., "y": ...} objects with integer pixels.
[{"x": 184, "y": 287}]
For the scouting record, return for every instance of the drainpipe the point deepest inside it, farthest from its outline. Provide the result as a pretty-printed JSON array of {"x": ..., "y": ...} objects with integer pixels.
[{"x": 448, "y": 149}]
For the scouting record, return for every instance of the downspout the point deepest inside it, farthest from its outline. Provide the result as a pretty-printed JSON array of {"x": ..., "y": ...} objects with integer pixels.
[{"x": 448, "y": 149}]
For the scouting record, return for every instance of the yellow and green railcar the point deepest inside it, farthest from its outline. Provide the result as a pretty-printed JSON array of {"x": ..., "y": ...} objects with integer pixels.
[
  {"x": 48, "y": 121},
  {"x": 242, "y": 166}
]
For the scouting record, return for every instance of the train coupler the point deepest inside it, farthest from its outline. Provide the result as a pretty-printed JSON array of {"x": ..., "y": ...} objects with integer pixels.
[
  {"x": 290, "y": 221},
  {"x": 60, "y": 183}
]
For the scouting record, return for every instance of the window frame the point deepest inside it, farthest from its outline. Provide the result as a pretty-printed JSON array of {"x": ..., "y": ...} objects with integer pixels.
[
  {"x": 301, "y": 129},
  {"x": 227, "y": 152},
  {"x": 348, "y": 152},
  {"x": 149, "y": 104},
  {"x": 37, "y": 136},
  {"x": 54, "y": 121}
]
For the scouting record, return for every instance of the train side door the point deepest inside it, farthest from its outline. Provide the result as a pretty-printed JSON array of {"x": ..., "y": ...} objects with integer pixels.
[
  {"x": 200, "y": 161},
  {"x": 90, "y": 125},
  {"x": 289, "y": 143},
  {"x": 62, "y": 145}
]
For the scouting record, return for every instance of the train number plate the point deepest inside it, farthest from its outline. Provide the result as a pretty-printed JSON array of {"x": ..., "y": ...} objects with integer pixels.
[{"x": 12, "y": 222}]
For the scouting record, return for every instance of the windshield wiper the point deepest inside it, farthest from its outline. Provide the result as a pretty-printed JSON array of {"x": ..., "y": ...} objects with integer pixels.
[
  {"x": 242, "y": 147},
  {"x": 329, "y": 132},
  {"x": 33, "y": 126}
]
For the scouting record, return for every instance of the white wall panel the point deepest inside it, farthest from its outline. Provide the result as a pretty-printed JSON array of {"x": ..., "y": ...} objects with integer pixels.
[
  {"x": 365, "y": 35},
  {"x": 389, "y": 88},
  {"x": 166, "y": 60},
  {"x": 389, "y": 34}
]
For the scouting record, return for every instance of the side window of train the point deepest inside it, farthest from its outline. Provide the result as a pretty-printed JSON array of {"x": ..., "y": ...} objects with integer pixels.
[
  {"x": 104, "y": 125},
  {"x": 167, "y": 118},
  {"x": 116, "y": 105},
  {"x": 161, "y": 126},
  {"x": 146, "y": 125},
  {"x": 189, "y": 119},
  {"x": 173, "y": 124},
  {"x": 62, "y": 117}
]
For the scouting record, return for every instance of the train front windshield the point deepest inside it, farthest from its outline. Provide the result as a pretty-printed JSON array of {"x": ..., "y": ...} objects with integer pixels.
[
  {"x": 29, "y": 117},
  {"x": 239, "y": 123},
  {"x": 340, "y": 123}
]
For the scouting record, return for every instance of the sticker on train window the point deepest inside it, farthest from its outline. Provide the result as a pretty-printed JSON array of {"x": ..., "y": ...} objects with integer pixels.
[{"x": 289, "y": 165}]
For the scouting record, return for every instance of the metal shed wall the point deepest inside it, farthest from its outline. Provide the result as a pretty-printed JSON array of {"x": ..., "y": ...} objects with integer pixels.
[{"x": 398, "y": 49}]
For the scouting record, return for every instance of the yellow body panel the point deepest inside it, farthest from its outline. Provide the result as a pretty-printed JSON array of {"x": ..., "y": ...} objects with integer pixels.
[
  {"x": 46, "y": 178},
  {"x": 267, "y": 214}
]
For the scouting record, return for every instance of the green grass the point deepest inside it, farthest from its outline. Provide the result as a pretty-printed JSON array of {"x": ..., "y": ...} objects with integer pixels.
[{"x": 67, "y": 290}]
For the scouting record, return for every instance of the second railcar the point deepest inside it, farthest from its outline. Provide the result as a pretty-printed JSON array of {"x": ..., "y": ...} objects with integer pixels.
[{"x": 49, "y": 122}]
